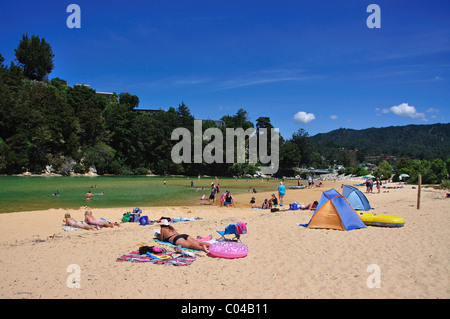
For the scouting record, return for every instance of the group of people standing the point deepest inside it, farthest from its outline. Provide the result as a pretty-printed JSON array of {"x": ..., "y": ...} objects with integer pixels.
[
  {"x": 369, "y": 185},
  {"x": 225, "y": 200}
]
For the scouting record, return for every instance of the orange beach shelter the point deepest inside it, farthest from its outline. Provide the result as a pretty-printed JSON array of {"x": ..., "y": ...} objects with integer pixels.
[{"x": 334, "y": 212}]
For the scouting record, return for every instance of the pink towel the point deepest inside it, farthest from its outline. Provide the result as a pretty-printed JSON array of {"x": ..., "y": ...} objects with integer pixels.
[{"x": 241, "y": 228}]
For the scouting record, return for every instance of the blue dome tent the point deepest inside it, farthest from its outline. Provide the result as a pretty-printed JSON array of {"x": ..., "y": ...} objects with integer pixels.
[{"x": 356, "y": 198}]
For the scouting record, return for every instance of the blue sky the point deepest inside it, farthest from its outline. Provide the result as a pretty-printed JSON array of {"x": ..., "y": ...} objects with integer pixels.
[{"x": 305, "y": 64}]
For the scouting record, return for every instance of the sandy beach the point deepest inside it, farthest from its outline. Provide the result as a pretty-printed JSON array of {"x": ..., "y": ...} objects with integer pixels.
[{"x": 284, "y": 261}]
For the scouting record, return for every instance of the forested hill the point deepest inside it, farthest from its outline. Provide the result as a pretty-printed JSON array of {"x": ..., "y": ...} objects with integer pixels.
[{"x": 413, "y": 141}]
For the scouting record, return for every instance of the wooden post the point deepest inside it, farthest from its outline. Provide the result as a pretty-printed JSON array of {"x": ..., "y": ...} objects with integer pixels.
[{"x": 418, "y": 191}]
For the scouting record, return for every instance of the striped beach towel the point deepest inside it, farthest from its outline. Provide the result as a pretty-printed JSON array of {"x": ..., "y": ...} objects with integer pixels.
[{"x": 170, "y": 258}]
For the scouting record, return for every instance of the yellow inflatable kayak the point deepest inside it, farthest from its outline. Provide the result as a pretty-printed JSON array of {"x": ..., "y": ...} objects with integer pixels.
[{"x": 381, "y": 220}]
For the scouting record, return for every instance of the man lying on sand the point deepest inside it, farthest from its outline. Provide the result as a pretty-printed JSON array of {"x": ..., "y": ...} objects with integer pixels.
[{"x": 69, "y": 221}]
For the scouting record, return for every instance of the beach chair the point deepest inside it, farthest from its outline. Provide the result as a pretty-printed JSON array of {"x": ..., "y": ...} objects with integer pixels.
[{"x": 236, "y": 229}]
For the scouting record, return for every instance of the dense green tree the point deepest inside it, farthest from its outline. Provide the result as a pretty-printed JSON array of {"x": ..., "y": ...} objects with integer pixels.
[
  {"x": 439, "y": 169},
  {"x": 88, "y": 107},
  {"x": 447, "y": 165},
  {"x": 301, "y": 139},
  {"x": 239, "y": 120},
  {"x": 403, "y": 162},
  {"x": 100, "y": 156},
  {"x": 130, "y": 100},
  {"x": 290, "y": 155},
  {"x": 383, "y": 170},
  {"x": 35, "y": 56}
]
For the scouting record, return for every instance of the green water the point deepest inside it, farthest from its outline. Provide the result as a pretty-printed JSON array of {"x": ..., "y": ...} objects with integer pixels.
[{"x": 25, "y": 193}]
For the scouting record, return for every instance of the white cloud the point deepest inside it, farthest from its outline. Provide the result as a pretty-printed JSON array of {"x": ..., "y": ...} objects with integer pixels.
[
  {"x": 406, "y": 110},
  {"x": 333, "y": 117},
  {"x": 433, "y": 111},
  {"x": 303, "y": 117},
  {"x": 381, "y": 111}
]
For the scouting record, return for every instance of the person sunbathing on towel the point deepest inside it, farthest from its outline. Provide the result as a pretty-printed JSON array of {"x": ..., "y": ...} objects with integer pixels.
[
  {"x": 311, "y": 206},
  {"x": 69, "y": 221},
  {"x": 91, "y": 220},
  {"x": 169, "y": 234}
]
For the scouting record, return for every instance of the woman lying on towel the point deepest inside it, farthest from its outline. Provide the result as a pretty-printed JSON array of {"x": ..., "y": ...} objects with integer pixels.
[
  {"x": 169, "y": 234},
  {"x": 91, "y": 220},
  {"x": 69, "y": 221}
]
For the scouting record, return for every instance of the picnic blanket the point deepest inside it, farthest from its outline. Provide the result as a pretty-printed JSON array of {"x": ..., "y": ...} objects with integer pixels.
[{"x": 168, "y": 258}]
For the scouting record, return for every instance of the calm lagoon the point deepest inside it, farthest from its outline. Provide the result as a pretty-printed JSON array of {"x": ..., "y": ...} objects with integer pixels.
[{"x": 27, "y": 193}]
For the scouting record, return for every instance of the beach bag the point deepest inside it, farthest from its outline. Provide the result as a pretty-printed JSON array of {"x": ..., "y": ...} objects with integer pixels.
[
  {"x": 151, "y": 249},
  {"x": 143, "y": 220},
  {"x": 126, "y": 217},
  {"x": 137, "y": 210},
  {"x": 134, "y": 218},
  {"x": 274, "y": 210}
]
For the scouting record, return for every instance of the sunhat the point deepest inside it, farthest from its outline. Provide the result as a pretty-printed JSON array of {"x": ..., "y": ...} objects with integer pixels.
[{"x": 164, "y": 222}]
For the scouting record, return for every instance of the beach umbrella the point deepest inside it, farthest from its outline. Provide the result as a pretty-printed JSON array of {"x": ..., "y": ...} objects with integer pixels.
[
  {"x": 404, "y": 175},
  {"x": 368, "y": 176}
]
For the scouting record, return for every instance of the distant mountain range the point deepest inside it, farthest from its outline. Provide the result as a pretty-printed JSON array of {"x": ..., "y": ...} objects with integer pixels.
[{"x": 413, "y": 141}]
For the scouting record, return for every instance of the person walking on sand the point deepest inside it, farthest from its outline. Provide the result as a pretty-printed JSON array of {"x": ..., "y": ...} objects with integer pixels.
[
  {"x": 212, "y": 196},
  {"x": 281, "y": 192}
]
